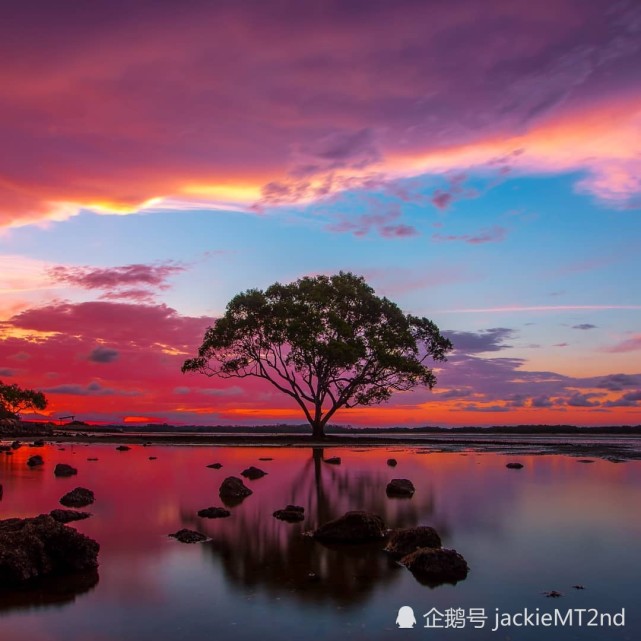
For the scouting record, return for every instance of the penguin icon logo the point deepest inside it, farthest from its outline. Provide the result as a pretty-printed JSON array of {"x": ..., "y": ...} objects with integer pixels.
[{"x": 406, "y": 618}]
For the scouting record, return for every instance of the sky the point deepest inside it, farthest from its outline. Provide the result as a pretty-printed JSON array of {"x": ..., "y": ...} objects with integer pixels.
[{"x": 478, "y": 162}]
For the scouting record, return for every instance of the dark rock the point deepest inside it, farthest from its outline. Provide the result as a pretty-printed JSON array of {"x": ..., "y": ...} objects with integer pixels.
[
  {"x": 434, "y": 566},
  {"x": 553, "y": 594},
  {"x": 352, "y": 527},
  {"x": 392, "y": 462},
  {"x": 123, "y": 448},
  {"x": 62, "y": 469},
  {"x": 188, "y": 536},
  {"x": 402, "y": 488},
  {"x": 9, "y": 453},
  {"x": 5, "y": 448},
  {"x": 291, "y": 514},
  {"x": 579, "y": 587},
  {"x": 34, "y": 461},
  {"x": 333, "y": 460},
  {"x": 16, "y": 445},
  {"x": 153, "y": 458},
  {"x": 38, "y": 443},
  {"x": 265, "y": 458},
  {"x": 233, "y": 491},
  {"x": 92, "y": 459},
  {"x": 78, "y": 497},
  {"x": 66, "y": 516},
  {"x": 514, "y": 466},
  {"x": 214, "y": 513},
  {"x": 585, "y": 460},
  {"x": 40, "y": 546},
  {"x": 215, "y": 466},
  {"x": 252, "y": 473},
  {"x": 1, "y": 491},
  {"x": 408, "y": 540}
]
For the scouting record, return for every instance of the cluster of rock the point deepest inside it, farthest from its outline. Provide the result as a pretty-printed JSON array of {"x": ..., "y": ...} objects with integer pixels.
[
  {"x": 291, "y": 514},
  {"x": 16, "y": 427},
  {"x": 35, "y": 547},
  {"x": 419, "y": 549}
]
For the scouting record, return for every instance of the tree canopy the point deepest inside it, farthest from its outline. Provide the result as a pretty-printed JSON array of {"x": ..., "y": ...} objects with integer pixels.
[
  {"x": 327, "y": 342},
  {"x": 15, "y": 399}
]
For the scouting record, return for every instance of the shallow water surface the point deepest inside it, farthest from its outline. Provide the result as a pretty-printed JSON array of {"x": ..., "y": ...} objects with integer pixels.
[{"x": 551, "y": 525}]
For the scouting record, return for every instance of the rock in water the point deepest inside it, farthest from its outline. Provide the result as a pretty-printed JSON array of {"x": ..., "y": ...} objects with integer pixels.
[
  {"x": 392, "y": 462},
  {"x": 123, "y": 448},
  {"x": 514, "y": 466},
  {"x": 215, "y": 466},
  {"x": 333, "y": 460},
  {"x": 1, "y": 491},
  {"x": 62, "y": 469},
  {"x": 214, "y": 513},
  {"x": 401, "y": 488},
  {"x": 78, "y": 497},
  {"x": 433, "y": 566},
  {"x": 67, "y": 516},
  {"x": 188, "y": 536},
  {"x": 352, "y": 527},
  {"x": 252, "y": 473},
  {"x": 40, "y": 546},
  {"x": 291, "y": 514},
  {"x": 408, "y": 540},
  {"x": 34, "y": 461},
  {"x": 233, "y": 490}
]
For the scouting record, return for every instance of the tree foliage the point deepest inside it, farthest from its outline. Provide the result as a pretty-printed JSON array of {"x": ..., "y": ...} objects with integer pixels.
[
  {"x": 15, "y": 399},
  {"x": 328, "y": 342}
]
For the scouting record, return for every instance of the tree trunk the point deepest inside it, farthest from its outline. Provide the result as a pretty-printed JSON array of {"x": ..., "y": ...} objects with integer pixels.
[{"x": 318, "y": 430}]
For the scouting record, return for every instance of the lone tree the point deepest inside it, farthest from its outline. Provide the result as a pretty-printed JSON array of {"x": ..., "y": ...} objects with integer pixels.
[
  {"x": 14, "y": 399},
  {"x": 326, "y": 341}
]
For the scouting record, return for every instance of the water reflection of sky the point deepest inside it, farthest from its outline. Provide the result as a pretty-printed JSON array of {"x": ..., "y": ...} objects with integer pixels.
[{"x": 551, "y": 525}]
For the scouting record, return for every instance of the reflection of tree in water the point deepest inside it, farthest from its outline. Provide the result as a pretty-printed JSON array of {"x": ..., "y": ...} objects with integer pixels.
[
  {"x": 257, "y": 551},
  {"x": 48, "y": 592}
]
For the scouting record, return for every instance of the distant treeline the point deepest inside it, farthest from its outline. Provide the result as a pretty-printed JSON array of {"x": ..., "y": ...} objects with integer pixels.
[{"x": 348, "y": 429}]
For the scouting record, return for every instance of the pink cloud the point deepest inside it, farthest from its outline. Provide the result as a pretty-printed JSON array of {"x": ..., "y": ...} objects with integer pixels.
[
  {"x": 494, "y": 234},
  {"x": 128, "y": 105},
  {"x": 379, "y": 222},
  {"x": 632, "y": 344}
]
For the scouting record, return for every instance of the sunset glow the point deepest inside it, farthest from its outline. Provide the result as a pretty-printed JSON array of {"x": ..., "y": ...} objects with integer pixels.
[{"x": 477, "y": 162}]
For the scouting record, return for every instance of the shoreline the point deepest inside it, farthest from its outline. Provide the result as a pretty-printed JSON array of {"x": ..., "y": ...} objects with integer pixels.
[{"x": 543, "y": 444}]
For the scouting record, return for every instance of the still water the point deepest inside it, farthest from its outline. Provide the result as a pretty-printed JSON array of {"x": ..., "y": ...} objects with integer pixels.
[{"x": 551, "y": 525}]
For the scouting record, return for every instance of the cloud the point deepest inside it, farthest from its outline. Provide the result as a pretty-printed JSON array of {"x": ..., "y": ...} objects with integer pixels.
[
  {"x": 584, "y": 326},
  {"x": 380, "y": 222},
  {"x": 103, "y": 355},
  {"x": 632, "y": 344},
  {"x": 487, "y": 340},
  {"x": 92, "y": 389},
  {"x": 134, "y": 281},
  {"x": 618, "y": 382},
  {"x": 6, "y": 371},
  {"x": 493, "y": 234},
  {"x": 251, "y": 94}
]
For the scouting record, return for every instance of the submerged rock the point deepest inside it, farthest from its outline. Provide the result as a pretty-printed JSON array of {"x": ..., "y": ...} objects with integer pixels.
[
  {"x": 291, "y": 514},
  {"x": 35, "y": 547},
  {"x": 78, "y": 497},
  {"x": 265, "y": 458},
  {"x": 392, "y": 462},
  {"x": 333, "y": 460},
  {"x": 252, "y": 473},
  {"x": 352, "y": 527},
  {"x": 153, "y": 458},
  {"x": 232, "y": 490},
  {"x": 215, "y": 466},
  {"x": 123, "y": 448},
  {"x": 92, "y": 459},
  {"x": 514, "y": 466},
  {"x": 214, "y": 513},
  {"x": 34, "y": 461},
  {"x": 433, "y": 566},
  {"x": 553, "y": 594},
  {"x": 62, "y": 469},
  {"x": 188, "y": 536},
  {"x": 407, "y": 540},
  {"x": 402, "y": 488},
  {"x": 67, "y": 516}
]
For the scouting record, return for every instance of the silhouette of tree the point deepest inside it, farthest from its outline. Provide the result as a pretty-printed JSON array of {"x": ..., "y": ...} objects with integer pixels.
[
  {"x": 14, "y": 399},
  {"x": 327, "y": 342}
]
